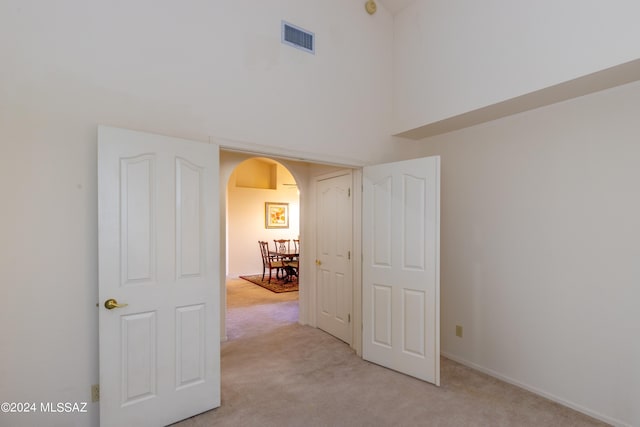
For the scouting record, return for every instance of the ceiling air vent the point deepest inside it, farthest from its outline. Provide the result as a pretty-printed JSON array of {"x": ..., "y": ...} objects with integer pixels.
[{"x": 298, "y": 37}]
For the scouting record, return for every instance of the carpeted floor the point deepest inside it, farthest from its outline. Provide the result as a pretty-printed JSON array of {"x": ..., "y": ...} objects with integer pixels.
[
  {"x": 276, "y": 372},
  {"x": 275, "y": 285}
]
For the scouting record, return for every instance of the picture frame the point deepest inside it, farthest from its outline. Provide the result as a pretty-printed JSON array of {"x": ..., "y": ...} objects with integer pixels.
[{"x": 276, "y": 215}]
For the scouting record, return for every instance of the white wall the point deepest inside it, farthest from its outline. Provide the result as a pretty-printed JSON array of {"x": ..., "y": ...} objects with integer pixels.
[
  {"x": 208, "y": 69},
  {"x": 246, "y": 222},
  {"x": 194, "y": 70},
  {"x": 454, "y": 57},
  {"x": 540, "y": 249}
]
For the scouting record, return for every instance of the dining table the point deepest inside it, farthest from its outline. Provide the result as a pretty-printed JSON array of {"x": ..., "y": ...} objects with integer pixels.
[{"x": 287, "y": 256}]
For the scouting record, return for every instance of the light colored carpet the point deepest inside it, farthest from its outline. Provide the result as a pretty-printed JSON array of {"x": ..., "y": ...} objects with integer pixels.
[{"x": 278, "y": 373}]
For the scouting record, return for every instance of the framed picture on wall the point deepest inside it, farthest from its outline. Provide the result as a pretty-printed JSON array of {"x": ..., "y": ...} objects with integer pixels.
[{"x": 276, "y": 215}]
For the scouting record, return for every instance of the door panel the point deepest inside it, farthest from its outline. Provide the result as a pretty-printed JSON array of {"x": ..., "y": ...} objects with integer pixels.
[
  {"x": 189, "y": 249},
  {"x": 381, "y": 315},
  {"x": 333, "y": 269},
  {"x": 137, "y": 213},
  {"x": 401, "y": 281},
  {"x": 139, "y": 357},
  {"x": 158, "y": 254},
  {"x": 190, "y": 345}
]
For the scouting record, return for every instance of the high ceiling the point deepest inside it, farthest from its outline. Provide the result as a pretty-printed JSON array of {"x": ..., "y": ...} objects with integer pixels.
[{"x": 395, "y": 6}]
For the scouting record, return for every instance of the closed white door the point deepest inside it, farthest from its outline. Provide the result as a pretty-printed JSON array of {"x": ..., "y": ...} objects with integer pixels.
[
  {"x": 159, "y": 260},
  {"x": 401, "y": 279},
  {"x": 333, "y": 263}
]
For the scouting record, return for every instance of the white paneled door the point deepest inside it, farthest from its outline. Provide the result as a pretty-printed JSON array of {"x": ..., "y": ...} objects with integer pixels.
[
  {"x": 159, "y": 306},
  {"x": 401, "y": 281},
  {"x": 333, "y": 249}
]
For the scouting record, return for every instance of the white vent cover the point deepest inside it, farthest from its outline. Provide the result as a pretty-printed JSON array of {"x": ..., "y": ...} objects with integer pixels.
[{"x": 298, "y": 37}]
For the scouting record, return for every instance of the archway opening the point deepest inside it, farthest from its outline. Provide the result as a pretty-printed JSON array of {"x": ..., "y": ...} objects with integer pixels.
[{"x": 262, "y": 204}]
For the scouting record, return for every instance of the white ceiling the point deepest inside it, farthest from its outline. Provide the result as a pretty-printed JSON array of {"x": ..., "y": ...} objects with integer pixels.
[{"x": 395, "y": 6}]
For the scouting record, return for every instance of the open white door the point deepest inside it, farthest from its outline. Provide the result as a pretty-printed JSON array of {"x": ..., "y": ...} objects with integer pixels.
[
  {"x": 401, "y": 267},
  {"x": 159, "y": 255}
]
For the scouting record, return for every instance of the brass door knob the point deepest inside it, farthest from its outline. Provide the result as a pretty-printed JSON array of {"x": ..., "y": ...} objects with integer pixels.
[
  {"x": 318, "y": 262},
  {"x": 110, "y": 304}
]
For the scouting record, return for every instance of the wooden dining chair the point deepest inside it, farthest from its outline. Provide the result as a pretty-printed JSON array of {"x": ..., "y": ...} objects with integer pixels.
[
  {"x": 290, "y": 263},
  {"x": 269, "y": 262},
  {"x": 293, "y": 267},
  {"x": 282, "y": 245},
  {"x": 296, "y": 249},
  {"x": 294, "y": 262}
]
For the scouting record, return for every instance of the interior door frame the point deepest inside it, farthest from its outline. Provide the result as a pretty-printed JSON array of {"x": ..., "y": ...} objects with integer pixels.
[
  {"x": 357, "y": 191},
  {"x": 307, "y": 296}
]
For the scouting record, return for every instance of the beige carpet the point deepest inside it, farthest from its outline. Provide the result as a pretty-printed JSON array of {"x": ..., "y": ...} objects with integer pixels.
[{"x": 278, "y": 373}]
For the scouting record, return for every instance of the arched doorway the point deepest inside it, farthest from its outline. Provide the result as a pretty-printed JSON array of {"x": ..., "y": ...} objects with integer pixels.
[
  {"x": 255, "y": 185},
  {"x": 251, "y": 185}
]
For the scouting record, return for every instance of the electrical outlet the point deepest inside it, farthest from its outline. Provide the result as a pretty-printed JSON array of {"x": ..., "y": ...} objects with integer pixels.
[
  {"x": 95, "y": 392},
  {"x": 459, "y": 331}
]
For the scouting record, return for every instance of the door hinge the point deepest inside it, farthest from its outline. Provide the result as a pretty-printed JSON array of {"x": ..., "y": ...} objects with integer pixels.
[
  {"x": 348, "y": 254},
  {"x": 349, "y": 317},
  {"x": 95, "y": 393},
  {"x": 349, "y": 192}
]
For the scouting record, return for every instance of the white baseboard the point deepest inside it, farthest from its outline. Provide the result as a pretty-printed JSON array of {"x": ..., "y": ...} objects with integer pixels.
[{"x": 561, "y": 401}]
